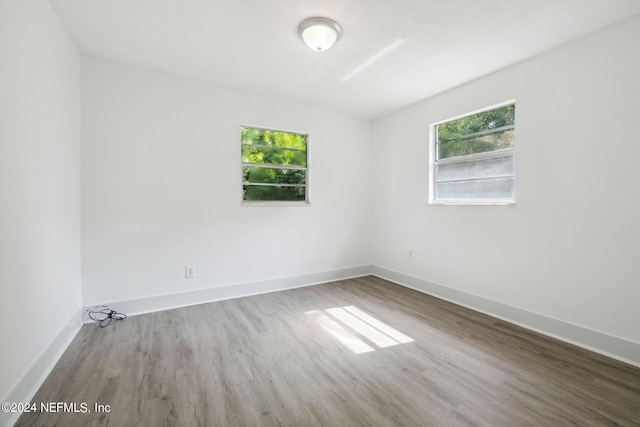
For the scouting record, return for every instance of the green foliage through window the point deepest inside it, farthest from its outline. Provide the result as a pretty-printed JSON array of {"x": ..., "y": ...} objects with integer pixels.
[
  {"x": 486, "y": 131},
  {"x": 274, "y": 165},
  {"x": 473, "y": 158}
]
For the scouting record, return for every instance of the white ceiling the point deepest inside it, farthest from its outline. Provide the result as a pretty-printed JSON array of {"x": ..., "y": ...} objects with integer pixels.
[{"x": 391, "y": 53}]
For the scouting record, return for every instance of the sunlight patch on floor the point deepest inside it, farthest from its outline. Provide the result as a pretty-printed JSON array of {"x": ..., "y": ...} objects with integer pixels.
[
  {"x": 347, "y": 338},
  {"x": 357, "y": 330}
]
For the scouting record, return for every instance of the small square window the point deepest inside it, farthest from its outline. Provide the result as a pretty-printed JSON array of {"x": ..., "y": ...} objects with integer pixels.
[
  {"x": 274, "y": 166},
  {"x": 472, "y": 158}
]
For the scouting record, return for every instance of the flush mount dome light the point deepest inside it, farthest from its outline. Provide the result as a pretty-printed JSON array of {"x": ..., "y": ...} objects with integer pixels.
[{"x": 319, "y": 33}]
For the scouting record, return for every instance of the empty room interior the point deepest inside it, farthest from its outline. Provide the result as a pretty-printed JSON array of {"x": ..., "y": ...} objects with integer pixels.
[{"x": 312, "y": 213}]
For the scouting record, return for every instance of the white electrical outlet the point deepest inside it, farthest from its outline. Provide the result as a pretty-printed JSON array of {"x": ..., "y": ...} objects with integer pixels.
[{"x": 189, "y": 271}]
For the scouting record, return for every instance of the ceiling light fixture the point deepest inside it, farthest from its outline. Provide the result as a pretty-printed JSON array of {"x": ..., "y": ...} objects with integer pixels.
[{"x": 319, "y": 33}]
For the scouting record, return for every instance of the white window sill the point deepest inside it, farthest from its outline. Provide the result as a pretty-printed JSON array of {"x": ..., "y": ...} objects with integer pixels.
[
  {"x": 273, "y": 203},
  {"x": 473, "y": 202}
]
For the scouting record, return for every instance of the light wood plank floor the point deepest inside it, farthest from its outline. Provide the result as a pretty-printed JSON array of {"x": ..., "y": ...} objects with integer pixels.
[{"x": 360, "y": 352}]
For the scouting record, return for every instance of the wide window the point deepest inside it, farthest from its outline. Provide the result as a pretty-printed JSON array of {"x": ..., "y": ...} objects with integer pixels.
[
  {"x": 472, "y": 158},
  {"x": 274, "y": 166}
]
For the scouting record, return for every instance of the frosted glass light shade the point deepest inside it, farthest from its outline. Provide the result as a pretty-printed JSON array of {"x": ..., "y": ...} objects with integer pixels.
[{"x": 319, "y": 33}]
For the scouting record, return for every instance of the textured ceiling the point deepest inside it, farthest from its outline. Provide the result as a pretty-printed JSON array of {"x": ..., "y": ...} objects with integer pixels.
[{"x": 391, "y": 53}]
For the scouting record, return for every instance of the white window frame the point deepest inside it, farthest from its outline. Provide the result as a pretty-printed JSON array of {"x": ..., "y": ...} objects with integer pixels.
[
  {"x": 304, "y": 202},
  {"x": 433, "y": 137}
]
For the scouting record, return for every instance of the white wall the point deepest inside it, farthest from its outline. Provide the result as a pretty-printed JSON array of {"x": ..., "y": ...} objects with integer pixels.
[
  {"x": 39, "y": 186},
  {"x": 570, "y": 248},
  {"x": 161, "y": 188}
]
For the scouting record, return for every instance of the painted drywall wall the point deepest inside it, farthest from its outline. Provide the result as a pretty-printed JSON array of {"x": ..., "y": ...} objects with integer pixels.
[
  {"x": 162, "y": 188},
  {"x": 39, "y": 185},
  {"x": 569, "y": 248}
]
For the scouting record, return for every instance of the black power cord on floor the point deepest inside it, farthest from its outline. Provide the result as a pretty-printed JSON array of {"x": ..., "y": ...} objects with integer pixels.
[{"x": 105, "y": 315}]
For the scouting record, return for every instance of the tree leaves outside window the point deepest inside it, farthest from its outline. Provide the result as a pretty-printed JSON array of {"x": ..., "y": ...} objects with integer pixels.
[{"x": 274, "y": 165}]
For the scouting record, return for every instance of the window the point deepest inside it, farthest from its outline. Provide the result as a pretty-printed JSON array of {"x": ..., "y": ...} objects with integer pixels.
[
  {"x": 472, "y": 158},
  {"x": 274, "y": 166}
]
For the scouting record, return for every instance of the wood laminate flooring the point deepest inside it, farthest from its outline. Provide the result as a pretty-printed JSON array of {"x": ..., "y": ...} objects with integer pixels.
[{"x": 359, "y": 352}]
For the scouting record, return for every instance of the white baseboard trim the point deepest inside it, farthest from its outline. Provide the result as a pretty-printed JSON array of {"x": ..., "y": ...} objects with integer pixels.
[
  {"x": 201, "y": 296},
  {"x": 607, "y": 345},
  {"x": 30, "y": 383}
]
